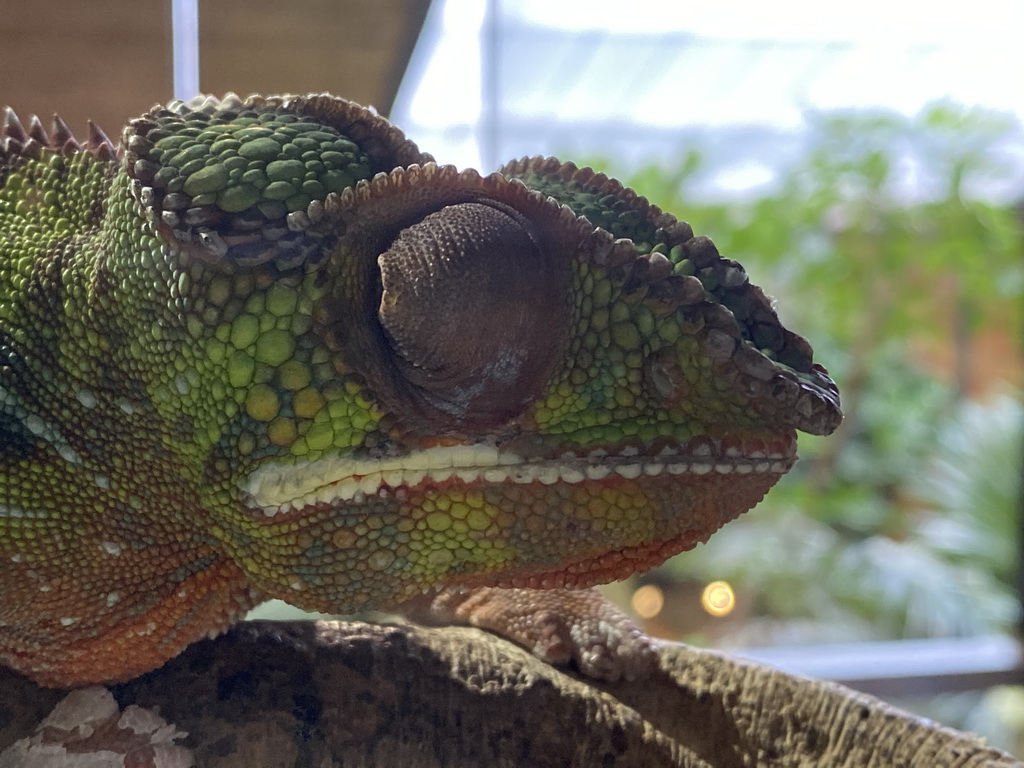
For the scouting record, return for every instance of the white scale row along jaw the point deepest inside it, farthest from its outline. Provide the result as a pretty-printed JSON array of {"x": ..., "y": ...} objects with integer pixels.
[{"x": 281, "y": 489}]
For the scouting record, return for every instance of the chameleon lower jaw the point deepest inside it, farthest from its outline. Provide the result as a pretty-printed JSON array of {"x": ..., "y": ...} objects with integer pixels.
[
  {"x": 601, "y": 569},
  {"x": 570, "y": 521}
]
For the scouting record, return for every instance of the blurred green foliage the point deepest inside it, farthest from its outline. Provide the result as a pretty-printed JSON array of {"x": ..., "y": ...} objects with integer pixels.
[{"x": 905, "y": 522}]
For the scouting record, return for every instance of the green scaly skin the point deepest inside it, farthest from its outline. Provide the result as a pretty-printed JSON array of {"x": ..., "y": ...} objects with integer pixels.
[{"x": 269, "y": 349}]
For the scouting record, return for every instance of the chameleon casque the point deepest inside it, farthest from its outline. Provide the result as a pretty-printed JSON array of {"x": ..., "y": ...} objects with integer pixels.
[{"x": 268, "y": 348}]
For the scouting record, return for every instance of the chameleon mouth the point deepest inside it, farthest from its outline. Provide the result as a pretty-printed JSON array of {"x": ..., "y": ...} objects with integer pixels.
[{"x": 281, "y": 489}]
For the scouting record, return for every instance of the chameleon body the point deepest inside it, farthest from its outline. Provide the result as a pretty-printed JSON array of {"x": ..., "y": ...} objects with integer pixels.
[{"x": 268, "y": 348}]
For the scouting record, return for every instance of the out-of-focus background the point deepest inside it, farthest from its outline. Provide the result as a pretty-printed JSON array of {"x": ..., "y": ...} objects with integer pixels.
[{"x": 866, "y": 165}]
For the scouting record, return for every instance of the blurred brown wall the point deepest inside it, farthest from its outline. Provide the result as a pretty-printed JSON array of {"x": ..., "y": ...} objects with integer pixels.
[{"x": 109, "y": 60}]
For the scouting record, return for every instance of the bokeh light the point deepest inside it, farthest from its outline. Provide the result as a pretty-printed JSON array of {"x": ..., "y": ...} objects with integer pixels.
[
  {"x": 718, "y": 598},
  {"x": 648, "y": 601}
]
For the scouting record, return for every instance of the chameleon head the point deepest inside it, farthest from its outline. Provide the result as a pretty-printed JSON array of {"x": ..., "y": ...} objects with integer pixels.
[
  {"x": 530, "y": 378},
  {"x": 433, "y": 377},
  {"x": 268, "y": 347}
]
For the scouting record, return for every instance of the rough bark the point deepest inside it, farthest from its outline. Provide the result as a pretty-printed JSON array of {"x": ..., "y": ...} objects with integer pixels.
[{"x": 354, "y": 694}]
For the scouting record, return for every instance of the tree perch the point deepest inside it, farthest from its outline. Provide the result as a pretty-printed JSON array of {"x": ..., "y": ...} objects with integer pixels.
[{"x": 328, "y": 693}]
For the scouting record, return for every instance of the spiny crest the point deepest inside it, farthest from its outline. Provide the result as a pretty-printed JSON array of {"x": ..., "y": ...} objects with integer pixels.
[{"x": 15, "y": 140}]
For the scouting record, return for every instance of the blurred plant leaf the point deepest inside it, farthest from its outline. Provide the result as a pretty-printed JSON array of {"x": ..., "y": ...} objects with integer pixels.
[
  {"x": 877, "y": 250},
  {"x": 972, "y": 486}
]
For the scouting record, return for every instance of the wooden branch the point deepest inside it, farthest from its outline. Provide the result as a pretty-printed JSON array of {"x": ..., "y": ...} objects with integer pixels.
[{"x": 327, "y": 693}]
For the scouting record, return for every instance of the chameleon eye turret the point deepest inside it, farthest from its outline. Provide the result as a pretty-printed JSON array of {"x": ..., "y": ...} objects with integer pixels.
[
  {"x": 463, "y": 282},
  {"x": 473, "y": 307},
  {"x": 268, "y": 348}
]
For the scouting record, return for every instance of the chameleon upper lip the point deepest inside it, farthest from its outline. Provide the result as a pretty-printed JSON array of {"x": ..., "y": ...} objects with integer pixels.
[{"x": 282, "y": 488}]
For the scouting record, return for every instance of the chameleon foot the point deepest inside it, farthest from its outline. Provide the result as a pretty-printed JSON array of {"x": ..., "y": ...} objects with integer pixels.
[{"x": 561, "y": 626}]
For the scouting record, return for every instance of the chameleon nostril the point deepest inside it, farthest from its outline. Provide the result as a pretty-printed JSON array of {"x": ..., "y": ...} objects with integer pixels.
[{"x": 660, "y": 379}]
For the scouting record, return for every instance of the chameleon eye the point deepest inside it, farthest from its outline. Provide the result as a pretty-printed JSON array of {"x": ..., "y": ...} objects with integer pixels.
[
  {"x": 472, "y": 311},
  {"x": 450, "y": 293}
]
